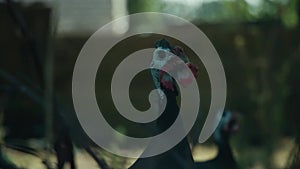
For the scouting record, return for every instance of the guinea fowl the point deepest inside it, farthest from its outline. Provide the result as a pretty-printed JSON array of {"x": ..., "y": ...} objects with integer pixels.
[
  {"x": 180, "y": 156},
  {"x": 224, "y": 158}
]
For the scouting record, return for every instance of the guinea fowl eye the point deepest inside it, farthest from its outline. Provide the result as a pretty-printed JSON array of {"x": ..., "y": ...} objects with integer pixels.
[{"x": 161, "y": 54}]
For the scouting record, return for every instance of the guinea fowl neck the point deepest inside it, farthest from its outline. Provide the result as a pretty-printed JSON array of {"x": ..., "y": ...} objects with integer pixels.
[{"x": 224, "y": 150}]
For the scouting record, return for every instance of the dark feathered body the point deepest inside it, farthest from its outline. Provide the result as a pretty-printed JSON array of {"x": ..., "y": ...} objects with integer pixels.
[
  {"x": 224, "y": 158},
  {"x": 180, "y": 156}
]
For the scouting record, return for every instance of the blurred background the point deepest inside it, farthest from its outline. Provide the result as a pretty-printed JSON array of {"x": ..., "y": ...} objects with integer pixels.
[{"x": 258, "y": 42}]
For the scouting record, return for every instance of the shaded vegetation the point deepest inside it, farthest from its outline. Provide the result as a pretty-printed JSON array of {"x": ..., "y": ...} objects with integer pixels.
[{"x": 259, "y": 45}]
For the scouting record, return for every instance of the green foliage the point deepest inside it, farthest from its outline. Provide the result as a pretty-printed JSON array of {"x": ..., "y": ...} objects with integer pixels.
[
  {"x": 135, "y": 6},
  {"x": 224, "y": 11}
]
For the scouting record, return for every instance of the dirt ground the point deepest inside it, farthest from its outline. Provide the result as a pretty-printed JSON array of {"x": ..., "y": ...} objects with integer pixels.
[{"x": 200, "y": 153}]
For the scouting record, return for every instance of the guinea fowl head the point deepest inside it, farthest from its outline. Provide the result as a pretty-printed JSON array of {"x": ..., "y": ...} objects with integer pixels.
[
  {"x": 227, "y": 126},
  {"x": 165, "y": 59}
]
